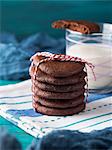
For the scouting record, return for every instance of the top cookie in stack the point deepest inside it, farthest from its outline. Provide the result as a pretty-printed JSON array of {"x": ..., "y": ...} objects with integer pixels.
[{"x": 58, "y": 84}]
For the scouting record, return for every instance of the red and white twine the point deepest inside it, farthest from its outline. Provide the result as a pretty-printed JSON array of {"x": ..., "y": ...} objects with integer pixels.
[{"x": 49, "y": 56}]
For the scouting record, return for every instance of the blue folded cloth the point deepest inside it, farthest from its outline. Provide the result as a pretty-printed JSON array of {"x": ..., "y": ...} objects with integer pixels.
[
  {"x": 62, "y": 140},
  {"x": 15, "y": 56},
  {"x": 74, "y": 140}
]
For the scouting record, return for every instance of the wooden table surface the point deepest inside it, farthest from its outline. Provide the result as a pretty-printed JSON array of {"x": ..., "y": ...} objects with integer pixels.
[{"x": 22, "y": 136}]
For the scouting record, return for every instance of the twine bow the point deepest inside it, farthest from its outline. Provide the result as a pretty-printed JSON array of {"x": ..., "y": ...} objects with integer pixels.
[{"x": 49, "y": 56}]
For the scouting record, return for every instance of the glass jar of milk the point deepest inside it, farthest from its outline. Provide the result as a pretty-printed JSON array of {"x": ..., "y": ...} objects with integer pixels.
[{"x": 97, "y": 49}]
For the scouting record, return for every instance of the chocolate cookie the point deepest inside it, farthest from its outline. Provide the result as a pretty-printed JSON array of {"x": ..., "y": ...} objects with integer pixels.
[
  {"x": 53, "y": 95},
  {"x": 59, "y": 68},
  {"x": 59, "y": 103},
  {"x": 58, "y": 88},
  {"x": 84, "y": 27},
  {"x": 45, "y": 78},
  {"x": 56, "y": 111}
]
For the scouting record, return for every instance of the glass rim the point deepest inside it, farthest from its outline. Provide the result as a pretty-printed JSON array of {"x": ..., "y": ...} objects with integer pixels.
[
  {"x": 92, "y": 34},
  {"x": 82, "y": 43}
]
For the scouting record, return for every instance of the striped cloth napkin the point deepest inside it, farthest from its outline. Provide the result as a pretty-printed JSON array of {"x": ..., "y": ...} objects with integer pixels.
[{"x": 16, "y": 106}]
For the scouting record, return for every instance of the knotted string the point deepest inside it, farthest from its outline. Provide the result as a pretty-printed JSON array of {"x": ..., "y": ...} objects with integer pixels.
[{"x": 60, "y": 57}]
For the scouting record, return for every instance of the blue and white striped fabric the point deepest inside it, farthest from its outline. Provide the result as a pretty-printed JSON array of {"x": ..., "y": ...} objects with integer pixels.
[{"x": 16, "y": 106}]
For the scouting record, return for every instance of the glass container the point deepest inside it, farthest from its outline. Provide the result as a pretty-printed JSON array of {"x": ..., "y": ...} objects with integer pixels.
[{"x": 97, "y": 49}]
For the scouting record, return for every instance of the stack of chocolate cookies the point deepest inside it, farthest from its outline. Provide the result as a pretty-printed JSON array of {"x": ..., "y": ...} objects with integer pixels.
[{"x": 57, "y": 86}]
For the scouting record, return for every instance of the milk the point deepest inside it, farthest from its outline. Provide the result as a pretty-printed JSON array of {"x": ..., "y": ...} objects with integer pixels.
[{"x": 100, "y": 56}]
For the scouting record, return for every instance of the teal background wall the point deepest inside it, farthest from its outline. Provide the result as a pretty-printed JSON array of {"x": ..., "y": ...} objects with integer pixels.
[{"x": 24, "y": 17}]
